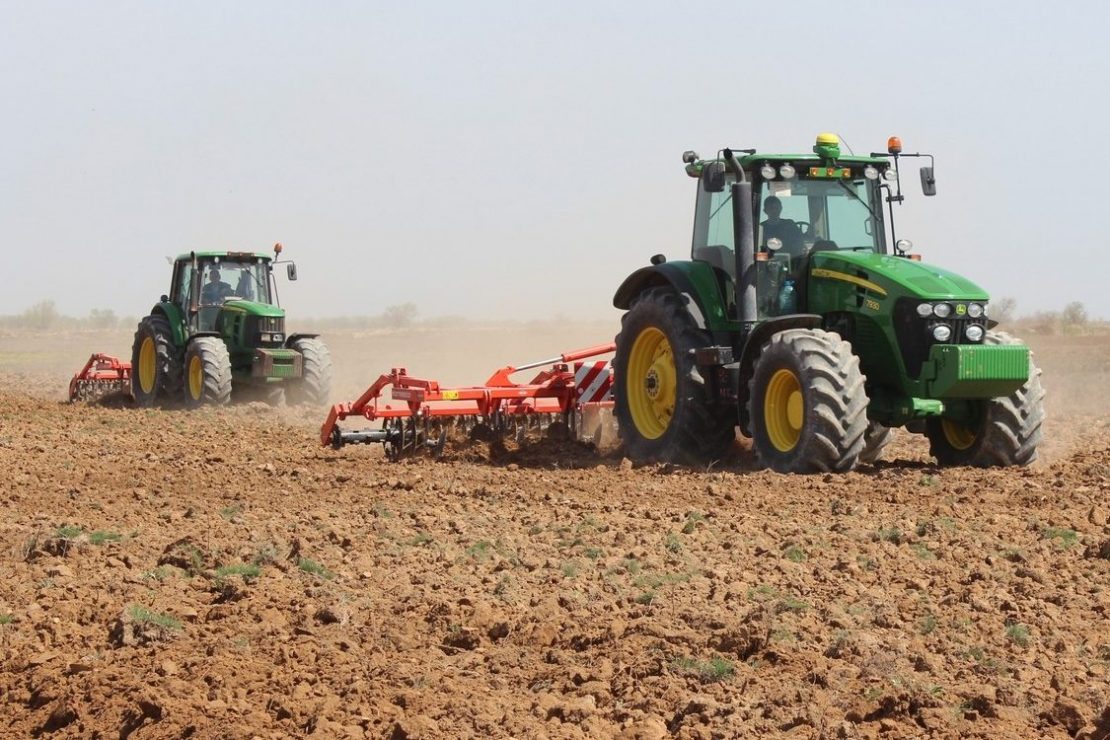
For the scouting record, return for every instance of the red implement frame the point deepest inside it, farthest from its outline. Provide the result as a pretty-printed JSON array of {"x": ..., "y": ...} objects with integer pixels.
[
  {"x": 552, "y": 391},
  {"x": 101, "y": 374}
]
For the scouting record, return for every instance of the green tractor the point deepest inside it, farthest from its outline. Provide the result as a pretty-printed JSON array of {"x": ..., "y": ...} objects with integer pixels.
[
  {"x": 220, "y": 329},
  {"x": 814, "y": 330}
]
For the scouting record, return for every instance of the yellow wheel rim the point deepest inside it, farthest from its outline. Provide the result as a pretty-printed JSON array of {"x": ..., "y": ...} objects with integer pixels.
[
  {"x": 784, "y": 410},
  {"x": 196, "y": 377},
  {"x": 651, "y": 383},
  {"x": 148, "y": 365},
  {"x": 957, "y": 435}
]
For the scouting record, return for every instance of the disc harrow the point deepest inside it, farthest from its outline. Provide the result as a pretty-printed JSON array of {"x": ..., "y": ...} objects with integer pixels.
[
  {"x": 101, "y": 376},
  {"x": 425, "y": 413}
]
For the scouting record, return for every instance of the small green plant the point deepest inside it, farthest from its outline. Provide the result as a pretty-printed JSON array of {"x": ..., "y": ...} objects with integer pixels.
[
  {"x": 646, "y": 598},
  {"x": 927, "y": 480},
  {"x": 710, "y": 671},
  {"x": 794, "y": 554},
  {"x": 923, "y": 552},
  {"x": 248, "y": 571},
  {"x": 501, "y": 590},
  {"x": 593, "y": 553},
  {"x": 142, "y": 615},
  {"x": 480, "y": 550},
  {"x": 673, "y": 543},
  {"x": 102, "y": 538},
  {"x": 692, "y": 520},
  {"x": 632, "y": 565},
  {"x": 892, "y": 535},
  {"x": 792, "y": 604},
  {"x": 570, "y": 569},
  {"x": 161, "y": 573},
  {"x": 1018, "y": 634},
  {"x": 1061, "y": 537},
  {"x": 927, "y": 624},
  {"x": 422, "y": 538},
  {"x": 6, "y": 619},
  {"x": 762, "y": 592},
  {"x": 68, "y": 532},
  {"x": 313, "y": 568},
  {"x": 229, "y": 512},
  {"x": 380, "y": 510}
]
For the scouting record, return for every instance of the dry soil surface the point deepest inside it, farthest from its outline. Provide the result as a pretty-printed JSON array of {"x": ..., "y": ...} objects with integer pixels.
[{"x": 218, "y": 574}]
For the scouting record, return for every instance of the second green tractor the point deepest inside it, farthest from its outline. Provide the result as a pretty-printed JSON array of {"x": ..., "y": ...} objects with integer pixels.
[
  {"x": 801, "y": 319},
  {"x": 220, "y": 330}
]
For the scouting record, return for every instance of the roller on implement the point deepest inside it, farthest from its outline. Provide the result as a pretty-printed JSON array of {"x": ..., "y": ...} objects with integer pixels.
[
  {"x": 426, "y": 410},
  {"x": 102, "y": 375}
]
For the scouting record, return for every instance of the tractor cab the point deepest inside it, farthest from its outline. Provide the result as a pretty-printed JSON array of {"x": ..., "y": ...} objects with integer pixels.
[
  {"x": 801, "y": 205},
  {"x": 204, "y": 283}
]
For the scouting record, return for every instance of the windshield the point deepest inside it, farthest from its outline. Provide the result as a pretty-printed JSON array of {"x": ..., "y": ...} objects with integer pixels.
[
  {"x": 808, "y": 213},
  {"x": 225, "y": 280}
]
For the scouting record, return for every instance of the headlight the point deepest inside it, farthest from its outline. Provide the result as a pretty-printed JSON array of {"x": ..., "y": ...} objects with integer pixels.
[
  {"x": 942, "y": 332},
  {"x": 973, "y": 332},
  {"x": 942, "y": 310},
  {"x": 870, "y": 172},
  {"x": 903, "y": 245},
  {"x": 767, "y": 172},
  {"x": 924, "y": 310},
  {"x": 278, "y": 337},
  {"x": 890, "y": 174},
  {"x": 787, "y": 172},
  {"x": 974, "y": 311},
  {"x": 264, "y": 337},
  {"x": 774, "y": 244}
]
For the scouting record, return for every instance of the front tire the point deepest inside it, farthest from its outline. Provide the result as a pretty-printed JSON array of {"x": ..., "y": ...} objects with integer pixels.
[
  {"x": 665, "y": 411},
  {"x": 314, "y": 385},
  {"x": 808, "y": 405},
  {"x": 1005, "y": 432},
  {"x": 207, "y": 373},
  {"x": 155, "y": 363}
]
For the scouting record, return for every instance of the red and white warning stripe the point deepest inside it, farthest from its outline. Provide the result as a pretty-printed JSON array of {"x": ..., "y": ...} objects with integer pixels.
[{"x": 593, "y": 382}]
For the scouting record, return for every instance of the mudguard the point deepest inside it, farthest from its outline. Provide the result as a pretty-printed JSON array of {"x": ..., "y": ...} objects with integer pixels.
[{"x": 697, "y": 281}]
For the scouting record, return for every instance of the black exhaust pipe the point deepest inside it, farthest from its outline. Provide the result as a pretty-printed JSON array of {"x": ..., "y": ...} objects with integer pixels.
[{"x": 744, "y": 232}]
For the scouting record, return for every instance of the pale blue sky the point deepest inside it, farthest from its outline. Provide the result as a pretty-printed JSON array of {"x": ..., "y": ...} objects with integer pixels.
[{"x": 520, "y": 159}]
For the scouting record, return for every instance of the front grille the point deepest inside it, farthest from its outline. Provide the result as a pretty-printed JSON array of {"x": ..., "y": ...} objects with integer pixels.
[
  {"x": 915, "y": 334},
  {"x": 259, "y": 325}
]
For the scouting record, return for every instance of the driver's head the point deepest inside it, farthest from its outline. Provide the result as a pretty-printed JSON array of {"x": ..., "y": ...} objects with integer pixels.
[
  {"x": 214, "y": 276},
  {"x": 772, "y": 206}
]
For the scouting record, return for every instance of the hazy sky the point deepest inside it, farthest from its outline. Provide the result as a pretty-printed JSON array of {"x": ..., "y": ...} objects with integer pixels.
[{"x": 519, "y": 159}]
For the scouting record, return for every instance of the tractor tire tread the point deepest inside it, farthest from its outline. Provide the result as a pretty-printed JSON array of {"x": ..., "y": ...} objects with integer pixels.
[
  {"x": 169, "y": 379},
  {"x": 833, "y": 437},
  {"x": 314, "y": 386},
  {"x": 217, "y": 371}
]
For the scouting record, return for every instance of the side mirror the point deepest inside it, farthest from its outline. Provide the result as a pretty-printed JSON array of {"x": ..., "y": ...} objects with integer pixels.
[
  {"x": 928, "y": 182},
  {"x": 291, "y": 270},
  {"x": 713, "y": 177}
]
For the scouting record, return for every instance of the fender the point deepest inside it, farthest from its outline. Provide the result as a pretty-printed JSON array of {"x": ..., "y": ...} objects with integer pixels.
[
  {"x": 697, "y": 281},
  {"x": 299, "y": 335},
  {"x": 176, "y": 318},
  {"x": 753, "y": 346}
]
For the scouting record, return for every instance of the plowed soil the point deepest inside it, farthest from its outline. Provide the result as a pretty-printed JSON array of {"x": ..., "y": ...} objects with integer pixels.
[{"x": 219, "y": 574}]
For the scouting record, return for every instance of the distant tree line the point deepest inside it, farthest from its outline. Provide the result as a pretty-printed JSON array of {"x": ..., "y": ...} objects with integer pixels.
[{"x": 44, "y": 316}]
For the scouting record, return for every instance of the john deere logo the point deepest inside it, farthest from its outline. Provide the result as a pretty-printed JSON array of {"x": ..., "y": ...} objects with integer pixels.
[{"x": 961, "y": 309}]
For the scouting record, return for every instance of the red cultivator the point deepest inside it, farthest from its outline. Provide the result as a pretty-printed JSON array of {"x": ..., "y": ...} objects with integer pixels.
[
  {"x": 101, "y": 376},
  {"x": 426, "y": 410}
]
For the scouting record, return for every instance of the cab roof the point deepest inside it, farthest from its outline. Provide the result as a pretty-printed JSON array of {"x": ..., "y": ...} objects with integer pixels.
[{"x": 237, "y": 256}]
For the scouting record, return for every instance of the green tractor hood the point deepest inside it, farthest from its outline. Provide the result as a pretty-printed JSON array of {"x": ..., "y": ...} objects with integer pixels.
[
  {"x": 895, "y": 276},
  {"x": 253, "y": 308}
]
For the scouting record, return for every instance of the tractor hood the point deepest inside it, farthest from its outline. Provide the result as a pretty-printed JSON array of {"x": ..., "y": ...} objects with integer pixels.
[
  {"x": 895, "y": 275},
  {"x": 253, "y": 308}
]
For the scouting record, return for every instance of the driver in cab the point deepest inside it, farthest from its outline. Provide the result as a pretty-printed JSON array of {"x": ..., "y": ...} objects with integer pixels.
[
  {"x": 215, "y": 290},
  {"x": 783, "y": 229}
]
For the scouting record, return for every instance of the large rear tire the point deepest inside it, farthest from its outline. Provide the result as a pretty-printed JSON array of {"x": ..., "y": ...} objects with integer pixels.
[
  {"x": 665, "y": 411},
  {"x": 155, "y": 363},
  {"x": 808, "y": 404},
  {"x": 207, "y": 373},
  {"x": 314, "y": 385},
  {"x": 1005, "y": 431}
]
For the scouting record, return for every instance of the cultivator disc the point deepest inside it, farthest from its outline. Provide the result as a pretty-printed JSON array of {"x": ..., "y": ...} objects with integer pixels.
[
  {"x": 102, "y": 376},
  {"x": 432, "y": 416}
]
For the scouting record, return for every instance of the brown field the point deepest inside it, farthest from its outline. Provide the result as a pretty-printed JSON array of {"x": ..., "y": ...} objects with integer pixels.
[{"x": 218, "y": 574}]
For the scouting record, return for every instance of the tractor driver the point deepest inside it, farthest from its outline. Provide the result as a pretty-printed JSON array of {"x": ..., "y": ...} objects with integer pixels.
[
  {"x": 782, "y": 229},
  {"x": 215, "y": 290}
]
